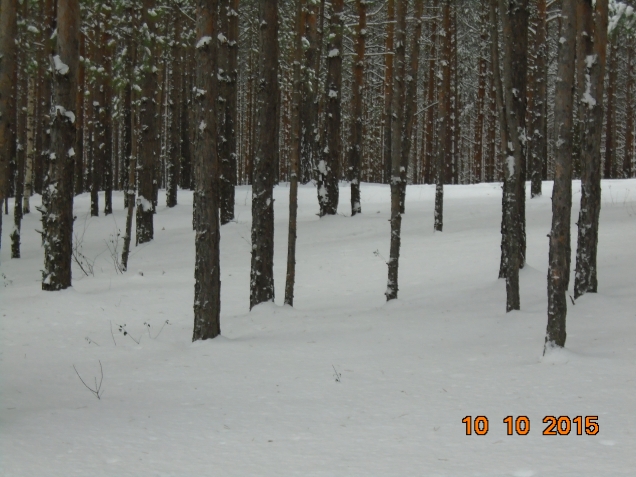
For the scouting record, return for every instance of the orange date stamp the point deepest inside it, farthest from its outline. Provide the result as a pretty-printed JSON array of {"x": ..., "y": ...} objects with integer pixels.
[{"x": 520, "y": 425}]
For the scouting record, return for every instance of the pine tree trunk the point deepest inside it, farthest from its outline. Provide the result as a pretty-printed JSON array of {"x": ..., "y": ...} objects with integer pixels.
[
  {"x": 78, "y": 187},
  {"x": 294, "y": 158},
  {"x": 539, "y": 124},
  {"x": 430, "y": 98},
  {"x": 310, "y": 134},
  {"x": 328, "y": 167},
  {"x": 397, "y": 125},
  {"x": 629, "y": 113},
  {"x": 149, "y": 127},
  {"x": 22, "y": 90},
  {"x": 30, "y": 145},
  {"x": 207, "y": 287},
  {"x": 57, "y": 217},
  {"x": 610, "y": 114},
  {"x": 585, "y": 280},
  {"x": 411, "y": 99},
  {"x": 443, "y": 107},
  {"x": 262, "y": 267},
  {"x": 559, "y": 260},
  {"x": 355, "y": 149},
  {"x": 106, "y": 143},
  {"x": 481, "y": 93},
  {"x": 175, "y": 105},
  {"x": 515, "y": 19},
  {"x": 388, "y": 90},
  {"x": 8, "y": 71},
  {"x": 96, "y": 131}
]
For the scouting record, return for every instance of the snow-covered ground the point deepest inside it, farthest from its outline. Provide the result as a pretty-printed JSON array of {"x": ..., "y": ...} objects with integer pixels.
[{"x": 263, "y": 399}]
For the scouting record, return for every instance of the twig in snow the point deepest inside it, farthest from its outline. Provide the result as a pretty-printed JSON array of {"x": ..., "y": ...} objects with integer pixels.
[
  {"x": 98, "y": 388},
  {"x": 111, "y": 333},
  {"x": 337, "y": 375}
]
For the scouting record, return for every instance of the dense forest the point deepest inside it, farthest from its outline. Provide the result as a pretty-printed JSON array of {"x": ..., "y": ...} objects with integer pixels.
[{"x": 206, "y": 95}]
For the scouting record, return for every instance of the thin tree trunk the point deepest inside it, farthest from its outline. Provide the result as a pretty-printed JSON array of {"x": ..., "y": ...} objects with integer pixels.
[
  {"x": 294, "y": 158},
  {"x": 610, "y": 114},
  {"x": 443, "y": 115},
  {"x": 539, "y": 124},
  {"x": 30, "y": 145},
  {"x": 397, "y": 125},
  {"x": 262, "y": 267},
  {"x": 328, "y": 167},
  {"x": 629, "y": 113},
  {"x": 57, "y": 215},
  {"x": 79, "y": 153},
  {"x": 149, "y": 132},
  {"x": 355, "y": 149},
  {"x": 559, "y": 260},
  {"x": 175, "y": 105},
  {"x": 410, "y": 100},
  {"x": 226, "y": 179},
  {"x": 430, "y": 98},
  {"x": 585, "y": 280},
  {"x": 106, "y": 117},
  {"x": 481, "y": 93},
  {"x": 207, "y": 287},
  {"x": 388, "y": 90},
  {"x": 8, "y": 71}
]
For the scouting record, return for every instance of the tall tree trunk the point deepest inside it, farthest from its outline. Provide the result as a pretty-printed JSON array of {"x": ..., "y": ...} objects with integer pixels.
[
  {"x": 228, "y": 170},
  {"x": 148, "y": 127},
  {"x": 397, "y": 124},
  {"x": 8, "y": 71},
  {"x": 57, "y": 215},
  {"x": 539, "y": 117},
  {"x": 328, "y": 167},
  {"x": 79, "y": 134},
  {"x": 481, "y": 94},
  {"x": 559, "y": 261},
  {"x": 610, "y": 114},
  {"x": 430, "y": 98},
  {"x": 294, "y": 158},
  {"x": 629, "y": 113},
  {"x": 96, "y": 129},
  {"x": 388, "y": 90},
  {"x": 411, "y": 99},
  {"x": 515, "y": 27},
  {"x": 106, "y": 116},
  {"x": 231, "y": 121},
  {"x": 595, "y": 47},
  {"x": 310, "y": 133},
  {"x": 22, "y": 86},
  {"x": 175, "y": 105},
  {"x": 207, "y": 287},
  {"x": 355, "y": 149},
  {"x": 262, "y": 268},
  {"x": 30, "y": 144},
  {"x": 444, "y": 83}
]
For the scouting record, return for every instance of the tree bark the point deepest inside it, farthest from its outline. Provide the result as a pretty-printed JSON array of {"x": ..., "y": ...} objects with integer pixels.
[
  {"x": 559, "y": 260},
  {"x": 57, "y": 214},
  {"x": 629, "y": 113},
  {"x": 481, "y": 94},
  {"x": 388, "y": 90},
  {"x": 539, "y": 124},
  {"x": 585, "y": 280},
  {"x": 30, "y": 145},
  {"x": 355, "y": 149},
  {"x": 294, "y": 158},
  {"x": 430, "y": 98},
  {"x": 262, "y": 267},
  {"x": 175, "y": 105},
  {"x": 8, "y": 72},
  {"x": 329, "y": 165},
  {"x": 207, "y": 287},
  {"x": 610, "y": 114},
  {"x": 443, "y": 107},
  {"x": 397, "y": 126},
  {"x": 148, "y": 127}
]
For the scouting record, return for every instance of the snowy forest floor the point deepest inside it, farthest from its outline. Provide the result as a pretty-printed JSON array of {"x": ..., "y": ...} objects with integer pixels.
[{"x": 263, "y": 399}]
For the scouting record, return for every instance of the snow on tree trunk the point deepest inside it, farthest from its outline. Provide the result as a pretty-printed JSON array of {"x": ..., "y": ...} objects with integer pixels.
[
  {"x": 539, "y": 120},
  {"x": 207, "y": 286},
  {"x": 388, "y": 90},
  {"x": 443, "y": 124},
  {"x": 559, "y": 238},
  {"x": 397, "y": 126},
  {"x": 57, "y": 213},
  {"x": 595, "y": 48},
  {"x": 8, "y": 71},
  {"x": 264, "y": 173},
  {"x": 149, "y": 126},
  {"x": 429, "y": 134},
  {"x": 329, "y": 164},
  {"x": 355, "y": 148}
]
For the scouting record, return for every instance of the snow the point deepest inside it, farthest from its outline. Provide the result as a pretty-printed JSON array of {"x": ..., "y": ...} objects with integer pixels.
[
  {"x": 263, "y": 400},
  {"x": 333, "y": 53},
  {"x": 203, "y": 41},
  {"x": 60, "y": 67}
]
